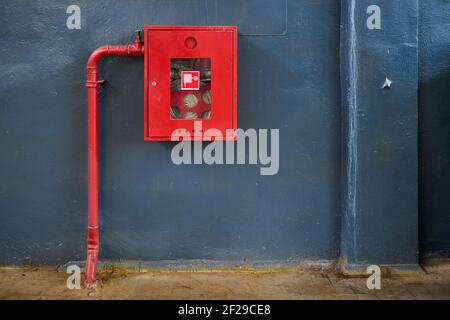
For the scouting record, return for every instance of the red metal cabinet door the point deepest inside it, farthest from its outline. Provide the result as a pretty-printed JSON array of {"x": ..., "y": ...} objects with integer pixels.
[{"x": 162, "y": 44}]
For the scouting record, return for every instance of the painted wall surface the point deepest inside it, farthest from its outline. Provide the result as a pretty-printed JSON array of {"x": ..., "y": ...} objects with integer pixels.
[
  {"x": 434, "y": 130},
  {"x": 289, "y": 78},
  {"x": 150, "y": 208}
]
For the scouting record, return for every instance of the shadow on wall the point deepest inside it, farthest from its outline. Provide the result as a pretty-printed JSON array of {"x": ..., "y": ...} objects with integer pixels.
[{"x": 434, "y": 166}]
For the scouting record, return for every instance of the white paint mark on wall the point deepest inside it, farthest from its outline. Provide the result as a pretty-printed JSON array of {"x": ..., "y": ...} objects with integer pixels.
[
  {"x": 387, "y": 84},
  {"x": 352, "y": 138}
]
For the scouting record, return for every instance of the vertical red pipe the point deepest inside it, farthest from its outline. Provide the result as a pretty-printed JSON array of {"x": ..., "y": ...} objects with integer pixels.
[
  {"x": 93, "y": 239},
  {"x": 92, "y": 83}
]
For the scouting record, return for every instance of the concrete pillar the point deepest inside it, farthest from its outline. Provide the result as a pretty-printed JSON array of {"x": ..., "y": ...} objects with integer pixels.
[{"x": 379, "y": 81}]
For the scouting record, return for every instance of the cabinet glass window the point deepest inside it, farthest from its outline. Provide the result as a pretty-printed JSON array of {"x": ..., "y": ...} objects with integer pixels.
[{"x": 190, "y": 89}]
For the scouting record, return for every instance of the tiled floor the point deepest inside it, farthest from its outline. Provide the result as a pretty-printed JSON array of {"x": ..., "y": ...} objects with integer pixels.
[{"x": 46, "y": 283}]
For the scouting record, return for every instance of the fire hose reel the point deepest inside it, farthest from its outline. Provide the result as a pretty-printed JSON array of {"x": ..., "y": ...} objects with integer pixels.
[{"x": 190, "y": 74}]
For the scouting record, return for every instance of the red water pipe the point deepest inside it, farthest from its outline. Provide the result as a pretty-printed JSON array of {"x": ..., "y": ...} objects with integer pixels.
[{"x": 132, "y": 50}]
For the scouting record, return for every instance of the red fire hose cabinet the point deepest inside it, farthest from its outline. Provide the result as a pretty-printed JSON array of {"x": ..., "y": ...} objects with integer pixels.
[
  {"x": 190, "y": 79},
  {"x": 190, "y": 75}
]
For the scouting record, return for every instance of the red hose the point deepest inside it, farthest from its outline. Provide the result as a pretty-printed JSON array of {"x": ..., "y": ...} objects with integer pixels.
[{"x": 92, "y": 83}]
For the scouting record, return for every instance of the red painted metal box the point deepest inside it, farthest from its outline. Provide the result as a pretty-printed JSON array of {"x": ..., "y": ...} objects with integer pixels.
[{"x": 190, "y": 82}]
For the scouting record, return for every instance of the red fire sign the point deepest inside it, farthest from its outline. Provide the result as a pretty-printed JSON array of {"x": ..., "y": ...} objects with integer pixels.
[{"x": 190, "y": 80}]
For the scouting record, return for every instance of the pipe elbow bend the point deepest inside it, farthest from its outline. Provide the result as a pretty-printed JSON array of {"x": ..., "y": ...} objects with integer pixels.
[{"x": 96, "y": 56}]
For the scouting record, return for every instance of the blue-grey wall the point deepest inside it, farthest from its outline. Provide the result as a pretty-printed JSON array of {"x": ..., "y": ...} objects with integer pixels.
[{"x": 152, "y": 210}]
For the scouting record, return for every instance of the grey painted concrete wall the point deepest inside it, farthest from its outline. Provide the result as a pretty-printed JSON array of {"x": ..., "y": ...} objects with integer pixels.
[
  {"x": 150, "y": 208},
  {"x": 153, "y": 210}
]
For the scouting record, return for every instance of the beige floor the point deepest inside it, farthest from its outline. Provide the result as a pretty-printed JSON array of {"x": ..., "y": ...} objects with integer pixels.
[{"x": 47, "y": 283}]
